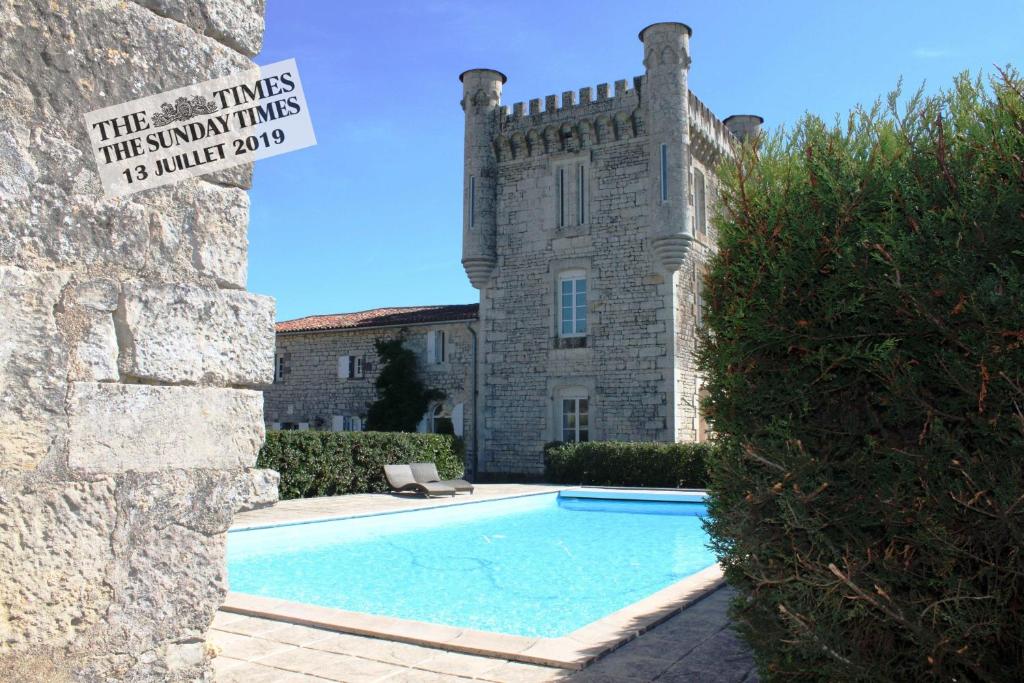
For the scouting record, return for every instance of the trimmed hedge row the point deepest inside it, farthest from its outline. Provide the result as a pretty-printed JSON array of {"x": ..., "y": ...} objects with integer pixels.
[
  {"x": 333, "y": 463},
  {"x": 617, "y": 463}
]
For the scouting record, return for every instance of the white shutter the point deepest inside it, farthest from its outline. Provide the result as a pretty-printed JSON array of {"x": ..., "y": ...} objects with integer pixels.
[
  {"x": 337, "y": 423},
  {"x": 457, "y": 419},
  {"x": 431, "y": 340},
  {"x": 343, "y": 366},
  {"x": 275, "y": 425},
  {"x": 303, "y": 426},
  {"x": 357, "y": 424},
  {"x": 422, "y": 427}
]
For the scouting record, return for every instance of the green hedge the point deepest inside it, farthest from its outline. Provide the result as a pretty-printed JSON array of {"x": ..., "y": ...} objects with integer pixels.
[
  {"x": 865, "y": 365},
  {"x": 616, "y": 463},
  {"x": 334, "y": 463}
]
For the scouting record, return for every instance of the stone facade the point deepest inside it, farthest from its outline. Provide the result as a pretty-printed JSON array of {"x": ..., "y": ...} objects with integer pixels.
[
  {"x": 610, "y": 189},
  {"x": 611, "y": 192},
  {"x": 130, "y": 354},
  {"x": 313, "y": 389}
]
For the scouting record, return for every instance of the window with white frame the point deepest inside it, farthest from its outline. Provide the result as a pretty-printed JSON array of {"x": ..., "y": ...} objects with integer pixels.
[
  {"x": 279, "y": 368},
  {"x": 346, "y": 423},
  {"x": 699, "y": 203},
  {"x": 572, "y": 300},
  {"x": 350, "y": 367},
  {"x": 698, "y": 298},
  {"x": 576, "y": 419},
  {"x": 436, "y": 347}
]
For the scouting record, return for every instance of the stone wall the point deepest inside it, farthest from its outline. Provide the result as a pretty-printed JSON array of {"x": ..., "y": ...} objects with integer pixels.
[
  {"x": 622, "y": 366},
  {"x": 130, "y": 354},
  {"x": 637, "y": 244},
  {"x": 310, "y": 391}
]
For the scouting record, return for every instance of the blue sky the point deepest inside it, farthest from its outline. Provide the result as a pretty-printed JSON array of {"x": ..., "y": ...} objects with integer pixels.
[{"x": 371, "y": 216}]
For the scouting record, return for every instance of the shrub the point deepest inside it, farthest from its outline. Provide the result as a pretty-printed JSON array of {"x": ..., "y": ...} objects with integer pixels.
[
  {"x": 334, "y": 463},
  {"x": 403, "y": 398},
  {"x": 865, "y": 365},
  {"x": 615, "y": 463}
]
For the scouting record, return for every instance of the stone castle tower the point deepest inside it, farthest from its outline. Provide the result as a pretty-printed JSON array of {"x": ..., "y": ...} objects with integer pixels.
[{"x": 585, "y": 227}]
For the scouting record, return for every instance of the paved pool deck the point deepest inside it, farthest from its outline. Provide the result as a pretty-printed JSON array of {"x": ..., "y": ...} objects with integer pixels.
[{"x": 695, "y": 645}]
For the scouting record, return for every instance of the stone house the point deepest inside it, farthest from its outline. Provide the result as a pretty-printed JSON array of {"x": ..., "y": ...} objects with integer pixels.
[
  {"x": 585, "y": 229},
  {"x": 325, "y": 367}
]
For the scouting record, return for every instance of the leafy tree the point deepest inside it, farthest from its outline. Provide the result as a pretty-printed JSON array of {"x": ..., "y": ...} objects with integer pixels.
[
  {"x": 403, "y": 397},
  {"x": 865, "y": 365}
]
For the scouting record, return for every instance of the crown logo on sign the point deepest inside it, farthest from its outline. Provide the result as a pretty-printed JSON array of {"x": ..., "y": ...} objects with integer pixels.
[{"x": 183, "y": 109}]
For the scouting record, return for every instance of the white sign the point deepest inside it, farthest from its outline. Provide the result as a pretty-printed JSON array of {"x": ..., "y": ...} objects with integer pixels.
[{"x": 200, "y": 128}]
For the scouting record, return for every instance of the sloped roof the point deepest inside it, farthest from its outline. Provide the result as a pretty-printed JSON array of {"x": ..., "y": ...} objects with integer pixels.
[{"x": 382, "y": 317}]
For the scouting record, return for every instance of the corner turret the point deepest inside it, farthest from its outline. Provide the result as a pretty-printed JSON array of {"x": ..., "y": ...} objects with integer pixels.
[
  {"x": 666, "y": 103},
  {"x": 744, "y": 126},
  {"x": 481, "y": 101}
]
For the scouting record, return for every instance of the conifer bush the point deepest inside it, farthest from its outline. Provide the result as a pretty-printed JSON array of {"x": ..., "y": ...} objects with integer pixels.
[{"x": 864, "y": 355}]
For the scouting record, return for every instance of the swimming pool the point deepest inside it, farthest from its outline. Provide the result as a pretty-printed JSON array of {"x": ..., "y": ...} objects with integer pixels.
[{"x": 539, "y": 566}]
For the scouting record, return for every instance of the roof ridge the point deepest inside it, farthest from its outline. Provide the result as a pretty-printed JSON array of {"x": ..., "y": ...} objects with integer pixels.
[
  {"x": 378, "y": 308},
  {"x": 381, "y": 317}
]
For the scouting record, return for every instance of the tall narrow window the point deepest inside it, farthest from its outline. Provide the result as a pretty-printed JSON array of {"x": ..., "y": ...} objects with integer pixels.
[
  {"x": 560, "y": 182},
  {"x": 472, "y": 201},
  {"x": 436, "y": 347},
  {"x": 575, "y": 419},
  {"x": 581, "y": 195},
  {"x": 699, "y": 205},
  {"x": 664, "y": 173},
  {"x": 573, "y": 305},
  {"x": 279, "y": 369},
  {"x": 698, "y": 301}
]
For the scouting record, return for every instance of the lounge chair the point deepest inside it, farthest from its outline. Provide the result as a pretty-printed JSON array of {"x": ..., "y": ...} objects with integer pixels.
[
  {"x": 401, "y": 480},
  {"x": 426, "y": 473}
]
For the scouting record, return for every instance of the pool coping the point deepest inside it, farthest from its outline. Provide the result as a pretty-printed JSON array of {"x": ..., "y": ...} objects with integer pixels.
[
  {"x": 573, "y": 651},
  {"x": 380, "y": 513}
]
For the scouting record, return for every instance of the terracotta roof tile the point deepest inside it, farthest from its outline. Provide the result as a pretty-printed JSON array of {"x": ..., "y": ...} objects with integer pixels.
[{"x": 381, "y": 317}]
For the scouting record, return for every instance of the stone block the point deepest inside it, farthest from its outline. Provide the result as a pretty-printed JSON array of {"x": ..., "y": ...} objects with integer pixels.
[
  {"x": 83, "y": 56},
  {"x": 54, "y": 552},
  {"x": 184, "y": 334},
  {"x": 236, "y": 23},
  {"x": 33, "y": 361},
  {"x": 87, "y": 322},
  {"x": 135, "y": 427},
  {"x": 256, "y": 489}
]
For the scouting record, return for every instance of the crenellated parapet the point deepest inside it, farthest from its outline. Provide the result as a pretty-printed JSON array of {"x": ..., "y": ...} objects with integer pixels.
[
  {"x": 580, "y": 119},
  {"x": 711, "y": 140},
  {"x": 657, "y": 110}
]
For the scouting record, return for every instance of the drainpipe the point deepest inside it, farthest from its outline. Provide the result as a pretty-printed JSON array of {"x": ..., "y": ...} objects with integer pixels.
[{"x": 476, "y": 427}]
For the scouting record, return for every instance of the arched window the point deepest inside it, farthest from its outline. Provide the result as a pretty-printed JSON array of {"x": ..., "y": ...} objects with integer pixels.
[{"x": 441, "y": 420}]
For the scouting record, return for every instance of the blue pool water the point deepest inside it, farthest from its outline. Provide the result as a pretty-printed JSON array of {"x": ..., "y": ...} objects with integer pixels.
[{"x": 530, "y": 566}]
